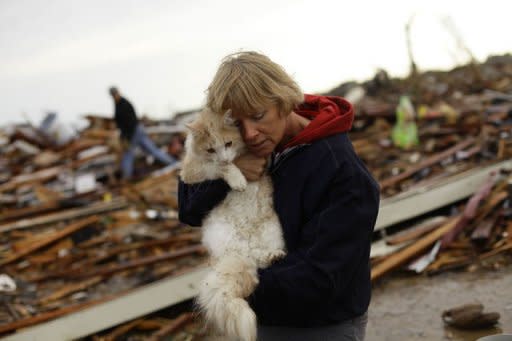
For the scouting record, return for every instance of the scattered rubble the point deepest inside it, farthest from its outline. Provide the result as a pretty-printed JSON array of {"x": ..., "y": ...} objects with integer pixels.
[
  {"x": 463, "y": 117},
  {"x": 475, "y": 237},
  {"x": 73, "y": 235}
]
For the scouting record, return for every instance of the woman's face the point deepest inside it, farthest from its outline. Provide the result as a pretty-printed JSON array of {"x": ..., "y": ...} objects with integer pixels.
[{"x": 262, "y": 131}]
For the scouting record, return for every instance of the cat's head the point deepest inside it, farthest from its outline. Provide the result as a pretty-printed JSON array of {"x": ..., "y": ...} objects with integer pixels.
[{"x": 214, "y": 137}]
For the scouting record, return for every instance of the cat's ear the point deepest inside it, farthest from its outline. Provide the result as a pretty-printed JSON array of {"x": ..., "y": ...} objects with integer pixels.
[
  {"x": 228, "y": 119},
  {"x": 196, "y": 127}
]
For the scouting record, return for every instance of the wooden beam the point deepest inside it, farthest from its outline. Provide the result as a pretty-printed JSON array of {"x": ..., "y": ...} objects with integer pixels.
[
  {"x": 27, "y": 211},
  {"x": 108, "y": 270},
  {"x": 69, "y": 289},
  {"x": 171, "y": 327},
  {"x": 425, "y": 163},
  {"x": 52, "y": 238},
  {"x": 416, "y": 231},
  {"x": 95, "y": 208},
  {"x": 411, "y": 251},
  {"x": 42, "y": 175}
]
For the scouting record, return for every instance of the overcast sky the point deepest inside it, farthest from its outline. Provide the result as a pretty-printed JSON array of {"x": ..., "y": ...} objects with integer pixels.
[{"x": 62, "y": 55}]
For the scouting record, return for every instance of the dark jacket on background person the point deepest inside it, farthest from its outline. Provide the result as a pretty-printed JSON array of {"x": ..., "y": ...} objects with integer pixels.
[
  {"x": 327, "y": 203},
  {"x": 126, "y": 119}
]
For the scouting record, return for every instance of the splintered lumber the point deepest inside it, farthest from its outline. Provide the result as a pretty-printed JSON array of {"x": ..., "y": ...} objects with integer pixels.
[
  {"x": 108, "y": 270},
  {"x": 69, "y": 289},
  {"x": 454, "y": 224},
  {"x": 30, "y": 321},
  {"x": 483, "y": 231},
  {"x": 416, "y": 231},
  {"x": 185, "y": 237},
  {"x": 507, "y": 246},
  {"x": 81, "y": 162},
  {"x": 121, "y": 330},
  {"x": 152, "y": 324},
  {"x": 426, "y": 163},
  {"x": 45, "y": 194},
  {"x": 42, "y": 175},
  {"x": 171, "y": 327},
  {"x": 465, "y": 219},
  {"x": 412, "y": 250},
  {"x": 446, "y": 260},
  {"x": 471, "y": 208},
  {"x": 31, "y": 210},
  {"x": 54, "y": 237},
  {"x": 496, "y": 199},
  {"x": 95, "y": 208}
]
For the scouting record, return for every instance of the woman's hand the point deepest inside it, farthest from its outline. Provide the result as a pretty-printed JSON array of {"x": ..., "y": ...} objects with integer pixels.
[{"x": 251, "y": 166}]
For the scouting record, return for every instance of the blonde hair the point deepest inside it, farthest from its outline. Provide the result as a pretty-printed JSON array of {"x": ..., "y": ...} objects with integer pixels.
[{"x": 247, "y": 82}]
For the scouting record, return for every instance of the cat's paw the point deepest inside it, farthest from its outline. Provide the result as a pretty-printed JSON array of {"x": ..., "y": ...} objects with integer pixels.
[
  {"x": 274, "y": 255},
  {"x": 238, "y": 183}
]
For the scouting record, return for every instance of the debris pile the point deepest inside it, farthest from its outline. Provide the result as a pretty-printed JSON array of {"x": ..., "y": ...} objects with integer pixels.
[
  {"x": 72, "y": 234},
  {"x": 477, "y": 235},
  {"x": 463, "y": 119}
]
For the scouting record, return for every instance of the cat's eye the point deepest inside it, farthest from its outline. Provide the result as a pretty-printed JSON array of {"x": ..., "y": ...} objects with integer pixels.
[
  {"x": 228, "y": 144},
  {"x": 210, "y": 150}
]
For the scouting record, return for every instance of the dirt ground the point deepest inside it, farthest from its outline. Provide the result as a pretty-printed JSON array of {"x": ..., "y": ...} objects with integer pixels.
[{"x": 409, "y": 307}]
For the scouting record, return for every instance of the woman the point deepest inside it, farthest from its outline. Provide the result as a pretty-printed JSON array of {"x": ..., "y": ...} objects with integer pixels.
[{"x": 326, "y": 200}]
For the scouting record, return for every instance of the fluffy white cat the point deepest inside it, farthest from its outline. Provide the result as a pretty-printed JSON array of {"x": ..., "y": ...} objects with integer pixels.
[{"x": 242, "y": 233}]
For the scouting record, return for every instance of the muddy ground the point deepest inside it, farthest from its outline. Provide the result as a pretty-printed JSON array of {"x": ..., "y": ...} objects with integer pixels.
[{"x": 409, "y": 308}]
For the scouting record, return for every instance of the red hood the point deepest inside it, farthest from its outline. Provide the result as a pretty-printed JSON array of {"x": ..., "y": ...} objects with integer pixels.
[{"x": 328, "y": 114}]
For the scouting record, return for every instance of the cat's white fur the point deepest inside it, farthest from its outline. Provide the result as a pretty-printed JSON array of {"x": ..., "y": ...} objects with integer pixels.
[{"x": 242, "y": 233}]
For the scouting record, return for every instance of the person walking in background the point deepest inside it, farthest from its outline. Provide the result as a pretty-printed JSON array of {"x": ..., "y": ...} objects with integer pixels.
[{"x": 132, "y": 135}]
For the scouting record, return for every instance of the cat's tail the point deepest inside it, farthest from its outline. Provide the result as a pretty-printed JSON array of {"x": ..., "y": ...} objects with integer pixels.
[{"x": 221, "y": 298}]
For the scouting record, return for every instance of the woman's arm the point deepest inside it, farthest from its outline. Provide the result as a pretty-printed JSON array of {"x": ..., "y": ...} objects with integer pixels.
[{"x": 196, "y": 200}]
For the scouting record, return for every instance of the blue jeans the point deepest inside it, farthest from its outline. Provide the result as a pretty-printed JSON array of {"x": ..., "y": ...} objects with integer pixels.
[
  {"x": 350, "y": 330},
  {"x": 141, "y": 139}
]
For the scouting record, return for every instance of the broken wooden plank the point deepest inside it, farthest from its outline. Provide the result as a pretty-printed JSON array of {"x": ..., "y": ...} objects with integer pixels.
[
  {"x": 409, "y": 252},
  {"x": 187, "y": 237},
  {"x": 425, "y": 163},
  {"x": 416, "y": 231},
  {"x": 483, "y": 231},
  {"x": 171, "y": 327},
  {"x": 121, "y": 330},
  {"x": 471, "y": 208},
  {"x": 69, "y": 289},
  {"x": 39, "y": 176},
  {"x": 28, "y": 211},
  {"x": 108, "y": 270},
  {"x": 507, "y": 246},
  {"x": 94, "y": 208},
  {"x": 54, "y": 237}
]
